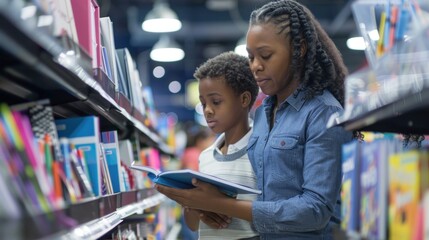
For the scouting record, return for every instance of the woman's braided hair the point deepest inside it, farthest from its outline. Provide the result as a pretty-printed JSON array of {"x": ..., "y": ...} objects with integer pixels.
[{"x": 322, "y": 66}]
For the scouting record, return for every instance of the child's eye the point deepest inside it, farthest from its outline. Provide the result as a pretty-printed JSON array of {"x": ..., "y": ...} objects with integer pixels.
[{"x": 216, "y": 102}]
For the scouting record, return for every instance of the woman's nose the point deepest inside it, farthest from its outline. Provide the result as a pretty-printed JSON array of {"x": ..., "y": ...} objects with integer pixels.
[{"x": 256, "y": 67}]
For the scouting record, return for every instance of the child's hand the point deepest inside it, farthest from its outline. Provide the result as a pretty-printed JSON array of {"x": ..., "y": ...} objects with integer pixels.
[
  {"x": 203, "y": 197},
  {"x": 214, "y": 220}
]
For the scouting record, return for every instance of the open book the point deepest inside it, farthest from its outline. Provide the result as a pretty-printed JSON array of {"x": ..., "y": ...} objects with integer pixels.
[{"x": 183, "y": 179}]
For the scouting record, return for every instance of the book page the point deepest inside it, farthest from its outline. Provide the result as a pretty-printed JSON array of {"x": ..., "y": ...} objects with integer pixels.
[{"x": 152, "y": 173}]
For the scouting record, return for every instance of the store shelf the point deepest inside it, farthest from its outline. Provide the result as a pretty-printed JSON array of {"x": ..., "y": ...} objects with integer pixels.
[
  {"x": 391, "y": 95},
  {"x": 83, "y": 220},
  {"x": 409, "y": 114},
  {"x": 35, "y": 66},
  {"x": 99, "y": 227},
  {"x": 94, "y": 229},
  {"x": 340, "y": 234}
]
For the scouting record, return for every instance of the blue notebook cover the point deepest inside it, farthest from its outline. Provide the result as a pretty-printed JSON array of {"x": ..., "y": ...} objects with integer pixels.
[
  {"x": 84, "y": 133},
  {"x": 183, "y": 179},
  {"x": 373, "y": 193},
  {"x": 111, "y": 150},
  {"x": 350, "y": 197}
]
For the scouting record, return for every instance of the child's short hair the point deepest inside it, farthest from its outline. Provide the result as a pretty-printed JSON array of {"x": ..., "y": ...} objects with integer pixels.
[{"x": 234, "y": 68}]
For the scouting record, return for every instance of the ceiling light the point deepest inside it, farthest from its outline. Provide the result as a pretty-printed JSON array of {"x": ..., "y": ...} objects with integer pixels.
[
  {"x": 166, "y": 50},
  {"x": 174, "y": 86},
  {"x": 158, "y": 72},
  {"x": 161, "y": 19},
  {"x": 241, "y": 47}
]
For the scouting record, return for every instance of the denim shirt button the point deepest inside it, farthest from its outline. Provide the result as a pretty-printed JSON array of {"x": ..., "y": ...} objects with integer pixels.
[{"x": 282, "y": 143}]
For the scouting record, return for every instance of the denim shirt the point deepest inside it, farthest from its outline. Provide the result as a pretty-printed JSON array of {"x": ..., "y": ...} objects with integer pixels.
[{"x": 298, "y": 168}]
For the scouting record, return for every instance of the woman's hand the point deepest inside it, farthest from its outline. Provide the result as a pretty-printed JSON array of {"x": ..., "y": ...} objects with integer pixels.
[
  {"x": 214, "y": 220},
  {"x": 203, "y": 197},
  {"x": 211, "y": 219}
]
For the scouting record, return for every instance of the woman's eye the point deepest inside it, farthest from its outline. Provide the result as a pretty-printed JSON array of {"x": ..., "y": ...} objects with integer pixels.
[{"x": 266, "y": 56}]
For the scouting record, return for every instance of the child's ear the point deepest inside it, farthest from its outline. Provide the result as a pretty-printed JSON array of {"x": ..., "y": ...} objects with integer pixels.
[{"x": 245, "y": 99}]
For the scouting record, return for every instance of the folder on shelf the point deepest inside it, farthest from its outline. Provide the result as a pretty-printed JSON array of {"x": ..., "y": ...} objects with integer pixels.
[
  {"x": 87, "y": 20},
  {"x": 18, "y": 151},
  {"x": 84, "y": 133},
  {"x": 408, "y": 178},
  {"x": 64, "y": 19},
  {"x": 84, "y": 187},
  {"x": 131, "y": 79},
  {"x": 112, "y": 156},
  {"x": 41, "y": 122},
  {"x": 106, "y": 64},
  {"x": 108, "y": 42},
  {"x": 373, "y": 188},
  {"x": 106, "y": 180},
  {"x": 350, "y": 197},
  {"x": 126, "y": 152},
  {"x": 127, "y": 157},
  {"x": 125, "y": 65}
]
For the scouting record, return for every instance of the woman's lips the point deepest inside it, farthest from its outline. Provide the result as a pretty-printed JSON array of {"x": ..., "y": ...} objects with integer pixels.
[{"x": 261, "y": 82}]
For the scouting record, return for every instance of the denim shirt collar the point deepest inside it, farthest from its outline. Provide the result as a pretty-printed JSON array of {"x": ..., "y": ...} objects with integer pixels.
[{"x": 296, "y": 100}]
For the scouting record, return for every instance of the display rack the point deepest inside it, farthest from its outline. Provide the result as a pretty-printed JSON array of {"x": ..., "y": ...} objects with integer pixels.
[
  {"x": 391, "y": 94},
  {"x": 86, "y": 220},
  {"x": 35, "y": 66},
  {"x": 409, "y": 114},
  {"x": 100, "y": 226},
  {"x": 29, "y": 55}
]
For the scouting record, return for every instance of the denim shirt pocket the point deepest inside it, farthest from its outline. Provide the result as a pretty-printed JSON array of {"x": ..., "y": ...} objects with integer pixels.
[
  {"x": 285, "y": 153},
  {"x": 284, "y": 141}
]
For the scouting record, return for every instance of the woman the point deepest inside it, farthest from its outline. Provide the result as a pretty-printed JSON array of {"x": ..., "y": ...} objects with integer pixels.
[{"x": 296, "y": 159}]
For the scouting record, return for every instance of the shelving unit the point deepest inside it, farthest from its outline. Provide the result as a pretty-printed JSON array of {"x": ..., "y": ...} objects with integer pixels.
[
  {"x": 34, "y": 66},
  {"x": 391, "y": 95},
  {"x": 84, "y": 220},
  {"x": 29, "y": 55},
  {"x": 409, "y": 114},
  {"x": 100, "y": 226}
]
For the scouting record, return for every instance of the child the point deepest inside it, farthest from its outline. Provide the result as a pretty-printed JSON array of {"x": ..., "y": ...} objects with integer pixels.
[
  {"x": 227, "y": 92},
  {"x": 197, "y": 142}
]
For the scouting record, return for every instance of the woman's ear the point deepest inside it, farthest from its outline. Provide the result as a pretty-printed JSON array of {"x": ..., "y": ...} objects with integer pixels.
[{"x": 245, "y": 99}]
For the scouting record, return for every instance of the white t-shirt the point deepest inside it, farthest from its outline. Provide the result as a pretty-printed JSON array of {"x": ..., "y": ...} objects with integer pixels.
[{"x": 235, "y": 167}]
